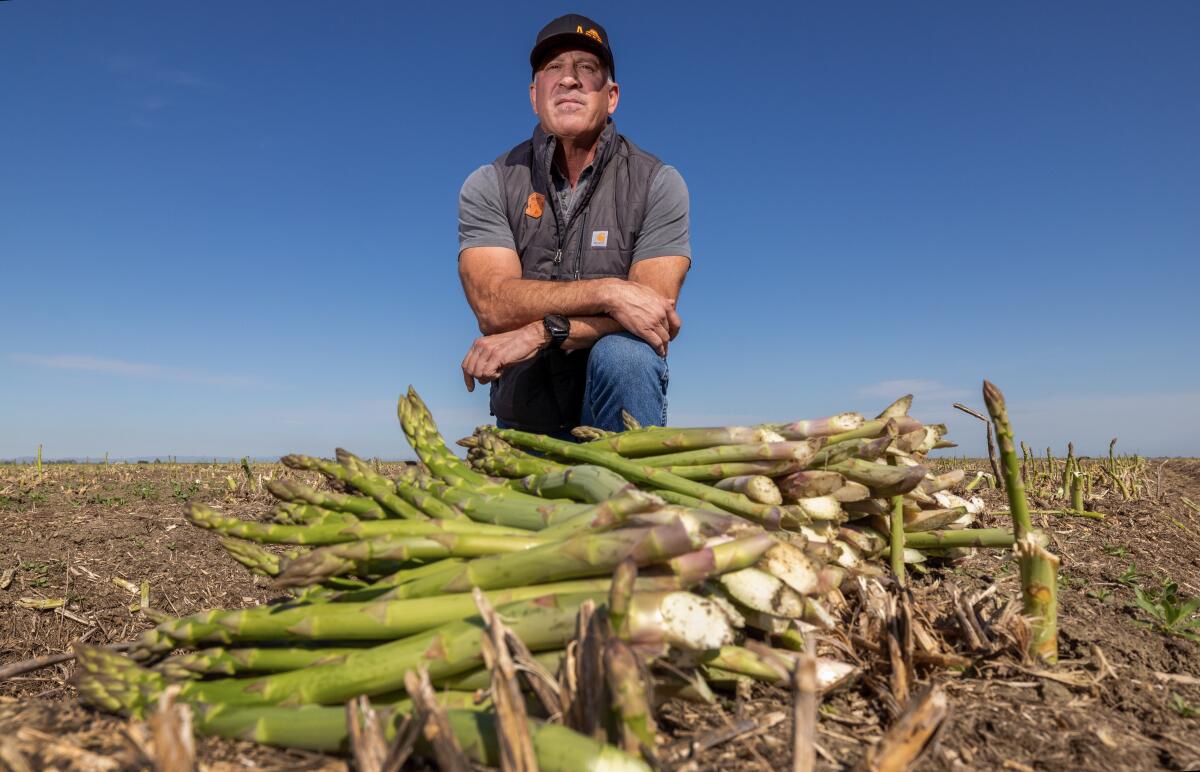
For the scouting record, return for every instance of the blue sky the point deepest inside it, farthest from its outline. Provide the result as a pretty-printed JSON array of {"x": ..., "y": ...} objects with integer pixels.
[{"x": 229, "y": 228}]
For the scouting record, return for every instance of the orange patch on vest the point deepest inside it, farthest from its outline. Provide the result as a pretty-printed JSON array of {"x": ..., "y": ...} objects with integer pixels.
[{"x": 535, "y": 205}]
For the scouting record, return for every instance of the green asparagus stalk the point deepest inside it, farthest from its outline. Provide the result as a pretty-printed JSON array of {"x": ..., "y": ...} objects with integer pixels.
[
  {"x": 591, "y": 484},
  {"x": 807, "y": 484},
  {"x": 882, "y": 479},
  {"x": 496, "y": 457},
  {"x": 898, "y": 408},
  {"x": 800, "y": 452},
  {"x": 606, "y": 514},
  {"x": 818, "y": 427},
  {"x": 579, "y": 556},
  {"x": 710, "y": 472},
  {"x": 875, "y": 428},
  {"x": 1039, "y": 593},
  {"x": 292, "y": 513},
  {"x": 222, "y": 661},
  {"x": 360, "y": 506},
  {"x": 755, "y": 487},
  {"x": 319, "y": 728},
  {"x": 377, "y": 620},
  {"x": 964, "y": 537},
  {"x": 496, "y": 504},
  {"x": 1039, "y": 568},
  {"x": 1010, "y": 466},
  {"x": 627, "y": 683},
  {"x": 382, "y": 493},
  {"x": 696, "y": 567},
  {"x": 658, "y": 478},
  {"x": 543, "y": 623},
  {"x": 430, "y": 505},
  {"x": 359, "y": 557},
  {"x": 339, "y": 532},
  {"x": 656, "y": 441}
]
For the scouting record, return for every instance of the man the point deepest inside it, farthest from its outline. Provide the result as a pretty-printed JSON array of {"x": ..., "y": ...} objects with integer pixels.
[{"x": 573, "y": 247}]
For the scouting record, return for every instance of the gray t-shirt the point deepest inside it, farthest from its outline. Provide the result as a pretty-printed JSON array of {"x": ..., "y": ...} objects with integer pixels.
[{"x": 482, "y": 222}]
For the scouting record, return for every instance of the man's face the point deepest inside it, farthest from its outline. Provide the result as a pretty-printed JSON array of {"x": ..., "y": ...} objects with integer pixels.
[{"x": 571, "y": 95}]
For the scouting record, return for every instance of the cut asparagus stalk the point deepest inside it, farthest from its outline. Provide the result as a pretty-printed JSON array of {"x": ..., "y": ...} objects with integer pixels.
[
  {"x": 383, "y": 493},
  {"x": 543, "y": 623},
  {"x": 652, "y": 442},
  {"x": 340, "y": 532},
  {"x": 635, "y": 472},
  {"x": 360, "y": 506},
  {"x": 349, "y": 621},
  {"x": 755, "y": 487},
  {"x": 359, "y": 557},
  {"x": 591, "y": 484},
  {"x": 807, "y": 484},
  {"x": 799, "y": 452},
  {"x": 761, "y": 591},
  {"x": 819, "y": 427},
  {"x": 696, "y": 567},
  {"x": 882, "y": 479},
  {"x": 584, "y": 555}
]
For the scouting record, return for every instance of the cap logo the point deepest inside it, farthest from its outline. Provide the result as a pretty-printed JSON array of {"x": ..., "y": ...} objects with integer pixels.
[
  {"x": 535, "y": 205},
  {"x": 594, "y": 35}
]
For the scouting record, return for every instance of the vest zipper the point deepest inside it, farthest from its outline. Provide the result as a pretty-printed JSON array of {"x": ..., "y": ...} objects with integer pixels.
[
  {"x": 579, "y": 254},
  {"x": 558, "y": 256}
]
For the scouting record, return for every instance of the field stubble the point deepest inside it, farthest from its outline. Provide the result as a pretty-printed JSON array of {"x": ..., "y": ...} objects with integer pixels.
[{"x": 1124, "y": 695}]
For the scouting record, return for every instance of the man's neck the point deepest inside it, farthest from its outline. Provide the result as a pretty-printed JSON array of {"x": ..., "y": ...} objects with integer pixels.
[{"x": 573, "y": 154}]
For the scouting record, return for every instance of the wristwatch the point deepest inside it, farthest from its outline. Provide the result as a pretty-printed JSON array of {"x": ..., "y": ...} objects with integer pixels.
[{"x": 558, "y": 327}]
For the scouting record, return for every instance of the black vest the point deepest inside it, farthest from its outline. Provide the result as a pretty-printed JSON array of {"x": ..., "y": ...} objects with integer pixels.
[{"x": 546, "y": 393}]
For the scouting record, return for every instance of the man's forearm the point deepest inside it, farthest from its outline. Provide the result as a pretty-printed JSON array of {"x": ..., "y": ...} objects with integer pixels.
[
  {"x": 586, "y": 330},
  {"x": 518, "y": 302}
]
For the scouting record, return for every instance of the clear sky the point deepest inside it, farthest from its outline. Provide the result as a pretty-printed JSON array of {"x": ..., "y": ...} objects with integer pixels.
[{"x": 229, "y": 228}]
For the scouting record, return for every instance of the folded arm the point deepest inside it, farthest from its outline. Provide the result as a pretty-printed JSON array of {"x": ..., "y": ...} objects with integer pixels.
[{"x": 510, "y": 309}]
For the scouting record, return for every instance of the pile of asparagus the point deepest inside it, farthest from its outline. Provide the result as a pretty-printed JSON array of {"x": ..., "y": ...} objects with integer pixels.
[{"x": 614, "y": 572}]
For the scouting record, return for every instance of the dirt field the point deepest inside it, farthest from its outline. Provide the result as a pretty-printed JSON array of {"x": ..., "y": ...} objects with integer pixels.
[{"x": 1126, "y": 695}]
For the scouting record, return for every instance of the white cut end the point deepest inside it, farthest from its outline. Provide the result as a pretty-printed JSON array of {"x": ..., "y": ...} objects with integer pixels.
[
  {"x": 771, "y": 436},
  {"x": 832, "y": 674},
  {"x": 763, "y": 592},
  {"x": 821, "y": 507},
  {"x": 847, "y": 555},
  {"x": 692, "y": 622},
  {"x": 788, "y": 563}
]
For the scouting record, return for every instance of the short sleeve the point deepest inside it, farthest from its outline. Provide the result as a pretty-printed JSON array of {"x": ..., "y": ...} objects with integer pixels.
[
  {"x": 481, "y": 218},
  {"x": 665, "y": 228}
]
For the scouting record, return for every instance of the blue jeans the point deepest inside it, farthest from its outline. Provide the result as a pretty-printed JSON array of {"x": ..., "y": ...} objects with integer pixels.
[{"x": 624, "y": 372}]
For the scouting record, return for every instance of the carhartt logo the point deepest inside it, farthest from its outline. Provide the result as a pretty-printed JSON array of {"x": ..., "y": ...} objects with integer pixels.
[
  {"x": 535, "y": 205},
  {"x": 599, "y": 238}
]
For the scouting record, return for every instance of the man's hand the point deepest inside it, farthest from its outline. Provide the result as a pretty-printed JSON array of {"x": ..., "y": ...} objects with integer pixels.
[
  {"x": 644, "y": 312},
  {"x": 490, "y": 354}
]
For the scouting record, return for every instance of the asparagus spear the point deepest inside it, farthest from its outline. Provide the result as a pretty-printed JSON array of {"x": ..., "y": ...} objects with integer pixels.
[
  {"x": 583, "y": 555},
  {"x": 755, "y": 487},
  {"x": 542, "y": 623},
  {"x": 223, "y": 661},
  {"x": 359, "y": 557},
  {"x": 360, "y": 506},
  {"x": 658, "y": 478},
  {"x": 799, "y": 451},
  {"x": 339, "y": 532},
  {"x": 655, "y": 441},
  {"x": 377, "y": 620},
  {"x": 320, "y": 728},
  {"x": 819, "y": 427},
  {"x": 591, "y": 484},
  {"x": 383, "y": 493},
  {"x": 711, "y": 472}
]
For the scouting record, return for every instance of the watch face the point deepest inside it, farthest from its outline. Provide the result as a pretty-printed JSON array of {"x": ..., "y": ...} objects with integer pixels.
[{"x": 558, "y": 325}]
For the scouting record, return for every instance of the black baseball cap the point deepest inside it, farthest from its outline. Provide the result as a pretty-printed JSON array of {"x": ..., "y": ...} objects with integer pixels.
[{"x": 573, "y": 30}]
